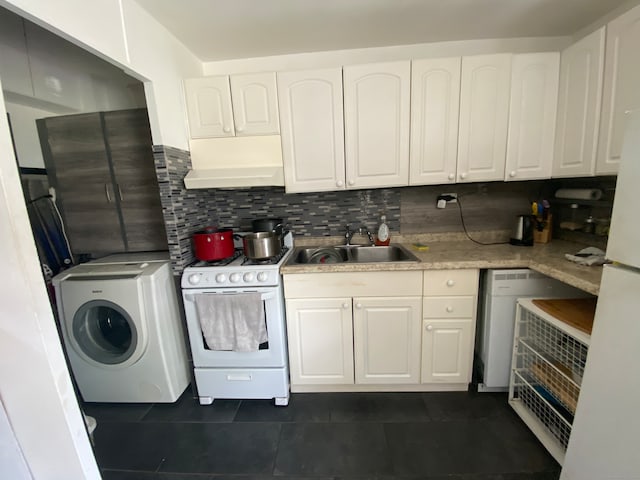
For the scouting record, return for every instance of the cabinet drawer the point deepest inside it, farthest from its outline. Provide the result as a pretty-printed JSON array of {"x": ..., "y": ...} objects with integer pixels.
[
  {"x": 450, "y": 282},
  {"x": 448, "y": 307}
]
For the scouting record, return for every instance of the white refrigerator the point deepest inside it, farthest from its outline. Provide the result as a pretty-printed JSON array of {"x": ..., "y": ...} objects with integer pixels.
[{"x": 605, "y": 438}]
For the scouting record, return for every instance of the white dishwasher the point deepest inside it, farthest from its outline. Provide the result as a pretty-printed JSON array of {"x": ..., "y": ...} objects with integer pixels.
[{"x": 494, "y": 335}]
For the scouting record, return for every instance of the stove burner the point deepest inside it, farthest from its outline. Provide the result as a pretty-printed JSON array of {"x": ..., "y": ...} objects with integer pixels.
[
  {"x": 219, "y": 263},
  {"x": 267, "y": 261}
]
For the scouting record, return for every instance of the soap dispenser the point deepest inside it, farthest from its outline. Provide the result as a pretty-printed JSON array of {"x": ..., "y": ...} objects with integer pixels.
[{"x": 383, "y": 237}]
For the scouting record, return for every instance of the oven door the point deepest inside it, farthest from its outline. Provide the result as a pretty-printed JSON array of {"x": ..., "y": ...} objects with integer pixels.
[{"x": 271, "y": 354}]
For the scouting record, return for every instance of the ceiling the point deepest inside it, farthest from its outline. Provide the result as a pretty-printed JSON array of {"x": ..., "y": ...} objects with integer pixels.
[{"x": 228, "y": 29}]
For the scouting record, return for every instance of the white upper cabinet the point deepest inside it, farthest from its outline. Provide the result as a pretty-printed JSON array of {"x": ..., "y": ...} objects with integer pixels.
[
  {"x": 312, "y": 130},
  {"x": 209, "y": 107},
  {"x": 579, "y": 98},
  {"x": 484, "y": 117},
  {"x": 621, "y": 91},
  {"x": 532, "y": 115},
  {"x": 255, "y": 104},
  {"x": 223, "y": 106},
  {"x": 435, "y": 105},
  {"x": 376, "y": 117}
]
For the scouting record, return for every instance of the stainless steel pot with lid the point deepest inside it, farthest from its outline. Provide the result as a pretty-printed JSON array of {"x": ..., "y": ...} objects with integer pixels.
[{"x": 261, "y": 245}]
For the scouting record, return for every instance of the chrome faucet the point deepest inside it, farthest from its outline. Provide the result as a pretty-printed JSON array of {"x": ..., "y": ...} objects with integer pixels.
[{"x": 348, "y": 235}]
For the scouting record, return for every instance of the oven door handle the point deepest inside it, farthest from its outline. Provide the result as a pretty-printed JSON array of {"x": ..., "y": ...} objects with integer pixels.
[{"x": 191, "y": 297}]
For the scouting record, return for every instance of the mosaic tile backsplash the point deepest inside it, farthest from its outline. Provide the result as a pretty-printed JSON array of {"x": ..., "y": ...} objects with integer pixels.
[{"x": 487, "y": 207}]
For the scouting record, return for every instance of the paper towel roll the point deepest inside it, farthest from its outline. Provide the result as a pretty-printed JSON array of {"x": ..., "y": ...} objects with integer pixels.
[{"x": 580, "y": 193}]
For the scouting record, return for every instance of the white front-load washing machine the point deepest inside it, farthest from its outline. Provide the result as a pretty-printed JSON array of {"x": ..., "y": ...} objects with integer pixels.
[{"x": 122, "y": 329}]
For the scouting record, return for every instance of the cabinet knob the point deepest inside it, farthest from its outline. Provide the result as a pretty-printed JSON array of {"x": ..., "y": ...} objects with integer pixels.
[
  {"x": 512, "y": 173},
  {"x": 340, "y": 183},
  {"x": 352, "y": 182},
  {"x": 449, "y": 309},
  {"x": 463, "y": 176},
  {"x": 345, "y": 305},
  {"x": 450, "y": 283},
  {"x": 429, "y": 328},
  {"x": 358, "y": 305},
  {"x": 226, "y": 129},
  {"x": 451, "y": 176},
  {"x": 239, "y": 129}
]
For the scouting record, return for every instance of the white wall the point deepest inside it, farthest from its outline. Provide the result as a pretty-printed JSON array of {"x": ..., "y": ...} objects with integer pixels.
[
  {"x": 95, "y": 25},
  {"x": 382, "y": 54},
  {"x": 166, "y": 62},
  {"x": 35, "y": 386},
  {"x": 124, "y": 34}
]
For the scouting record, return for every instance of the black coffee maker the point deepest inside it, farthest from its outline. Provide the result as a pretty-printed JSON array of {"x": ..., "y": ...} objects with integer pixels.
[{"x": 522, "y": 231}]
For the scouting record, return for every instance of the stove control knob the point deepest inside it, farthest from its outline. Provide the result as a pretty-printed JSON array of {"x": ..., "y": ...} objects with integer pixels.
[
  {"x": 235, "y": 277},
  {"x": 220, "y": 278},
  {"x": 194, "y": 279},
  {"x": 248, "y": 277},
  {"x": 262, "y": 277}
]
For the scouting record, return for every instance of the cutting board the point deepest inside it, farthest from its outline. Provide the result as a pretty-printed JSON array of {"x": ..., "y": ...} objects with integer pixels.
[{"x": 577, "y": 312}]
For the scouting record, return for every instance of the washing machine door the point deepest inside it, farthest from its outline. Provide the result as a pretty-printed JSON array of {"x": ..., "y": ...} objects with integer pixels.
[
  {"x": 104, "y": 319},
  {"x": 104, "y": 332}
]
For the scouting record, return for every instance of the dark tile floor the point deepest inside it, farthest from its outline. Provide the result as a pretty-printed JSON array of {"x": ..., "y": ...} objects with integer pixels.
[{"x": 340, "y": 436}]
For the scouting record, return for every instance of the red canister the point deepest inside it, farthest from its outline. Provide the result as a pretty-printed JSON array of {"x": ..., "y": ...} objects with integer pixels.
[{"x": 213, "y": 244}]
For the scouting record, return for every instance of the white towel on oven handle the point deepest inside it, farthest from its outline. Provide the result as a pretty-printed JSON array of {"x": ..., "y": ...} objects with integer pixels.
[{"x": 232, "y": 321}]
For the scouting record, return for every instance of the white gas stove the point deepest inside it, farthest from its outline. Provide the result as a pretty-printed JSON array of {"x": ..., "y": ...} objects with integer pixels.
[{"x": 261, "y": 373}]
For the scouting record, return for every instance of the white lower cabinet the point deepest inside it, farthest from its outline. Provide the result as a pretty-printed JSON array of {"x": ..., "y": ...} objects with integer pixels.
[
  {"x": 387, "y": 339},
  {"x": 320, "y": 340},
  {"x": 368, "y": 340},
  {"x": 381, "y": 331},
  {"x": 448, "y": 327},
  {"x": 446, "y": 351}
]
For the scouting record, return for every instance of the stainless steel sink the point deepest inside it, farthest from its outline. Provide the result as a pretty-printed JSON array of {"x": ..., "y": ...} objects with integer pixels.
[{"x": 351, "y": 254}]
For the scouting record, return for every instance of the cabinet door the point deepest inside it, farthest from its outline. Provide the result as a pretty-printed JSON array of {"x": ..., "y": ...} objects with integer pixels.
[
  {"x": 579, "y": 98},
  {"x": 255, "y": 104},
  {"x": 435, "y": 105},
  {"x": 78, "y": 168},
  {"x": 209, "y": 107},
  {"x": 621, "y": 92},
  {"x": 447, "y": 351},
  {"x": 387, "y": 340},
  {"x": 312, "y": 130},
  {"x": 484, "y": 116},
  {"x": 14, "y": 59},
  {"x": 320, "y": 340},
  {"x": 376, "y": 116},
  {"x": 532, "y": 115},
  {"x": 128, "y": 138}
]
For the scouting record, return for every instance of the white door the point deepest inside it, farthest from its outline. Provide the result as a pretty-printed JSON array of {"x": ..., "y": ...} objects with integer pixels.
[
  {"x": 447, "y": 348},
  {"x": 621, "y": 92},
  {"x": 435, "y": 106},
  {"x": 532, "y": 115},
  {"x": 312, "y": 127},
  {"x": 209, "y": 107},
  {"x": 579, "y": 98},
  {"x": 376, "y": 117},
  {"x": 255, "y": 104},
  {"x": 320, "y": 335},
  {"x": 387, "y": 340},
  {"x": 604, "y": 435},
  {"x": 484, "y": 117}
]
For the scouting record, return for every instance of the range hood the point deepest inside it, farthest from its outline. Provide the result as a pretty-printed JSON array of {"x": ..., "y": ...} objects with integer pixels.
[{"x": 235, "y": 162}]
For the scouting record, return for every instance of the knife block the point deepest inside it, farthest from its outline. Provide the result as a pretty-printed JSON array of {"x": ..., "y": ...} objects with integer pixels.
[{"x": 544, "y": 235}]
